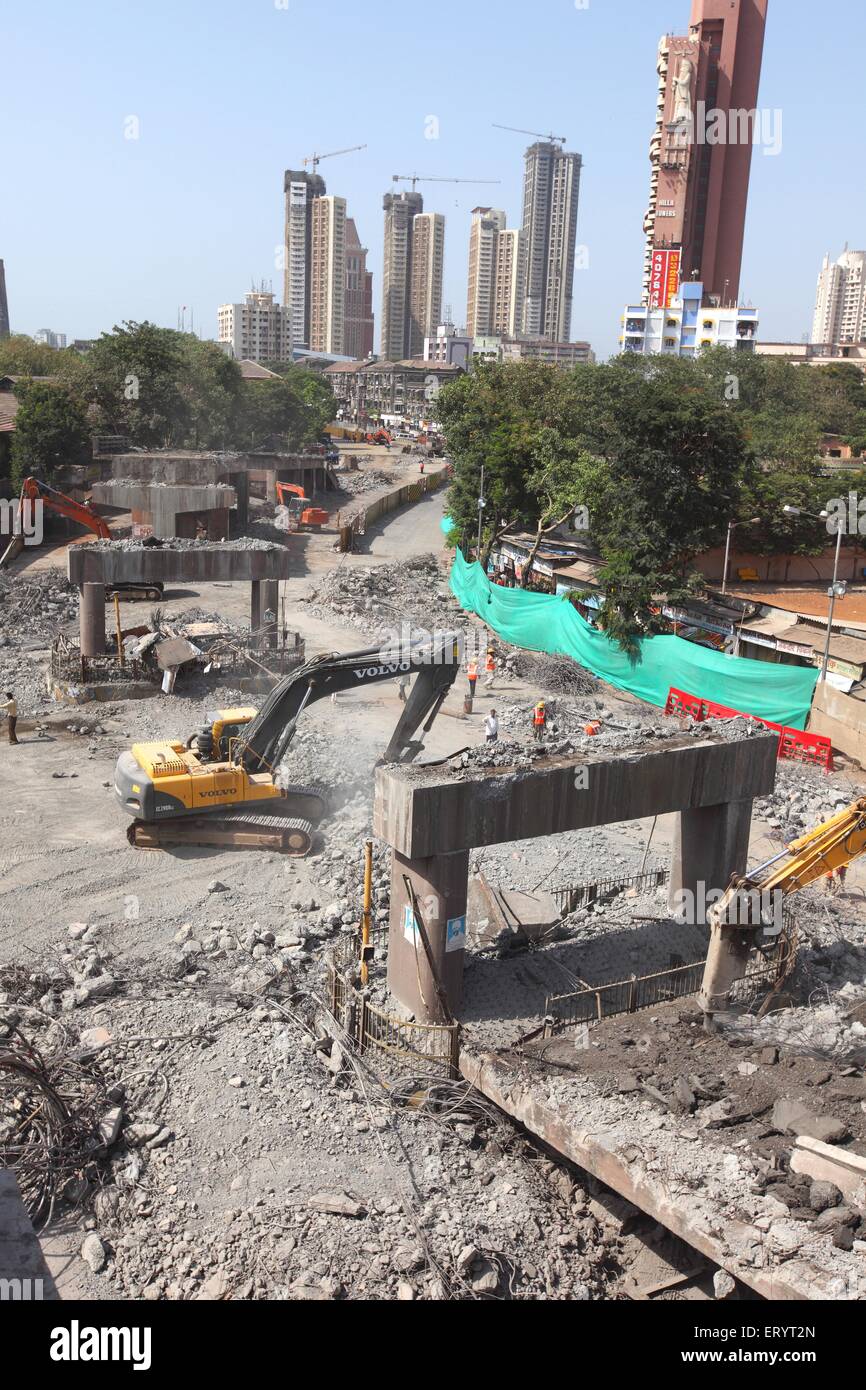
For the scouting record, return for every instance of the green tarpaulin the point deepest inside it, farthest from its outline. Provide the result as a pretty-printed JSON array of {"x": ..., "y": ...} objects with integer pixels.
[{"x": 543, "y": 623}]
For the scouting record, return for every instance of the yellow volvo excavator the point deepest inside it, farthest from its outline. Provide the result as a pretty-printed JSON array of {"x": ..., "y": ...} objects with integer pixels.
[
  {"x": 749, "y": 914},
  {"x": 225, "y": 786}
]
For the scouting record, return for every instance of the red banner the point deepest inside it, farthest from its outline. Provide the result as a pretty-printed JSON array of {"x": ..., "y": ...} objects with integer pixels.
[{"x": 664, "y": 278}]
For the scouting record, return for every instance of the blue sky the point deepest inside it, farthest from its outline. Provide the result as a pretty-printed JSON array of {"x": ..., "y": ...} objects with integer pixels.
[{"x": 95, "y": 228}]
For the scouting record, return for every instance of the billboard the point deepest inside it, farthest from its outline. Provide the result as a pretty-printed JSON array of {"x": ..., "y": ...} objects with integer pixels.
[{"x": 664, "y": 277}]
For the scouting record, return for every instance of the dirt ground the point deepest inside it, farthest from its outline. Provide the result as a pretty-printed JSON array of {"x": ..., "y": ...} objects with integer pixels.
[{"x": 229, "y": 1082}]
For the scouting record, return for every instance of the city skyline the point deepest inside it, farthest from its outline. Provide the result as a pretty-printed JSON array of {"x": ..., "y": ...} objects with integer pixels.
[{"x": 178, "y": 246}]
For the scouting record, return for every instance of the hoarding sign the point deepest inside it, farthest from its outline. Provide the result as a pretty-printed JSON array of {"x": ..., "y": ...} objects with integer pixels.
[{"x": 665, "y": 278}]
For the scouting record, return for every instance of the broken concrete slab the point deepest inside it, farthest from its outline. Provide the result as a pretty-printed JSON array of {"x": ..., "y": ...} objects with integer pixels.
[
  {"x": 793, "y": 1117},
  {"x": 845, "y": 1170}
]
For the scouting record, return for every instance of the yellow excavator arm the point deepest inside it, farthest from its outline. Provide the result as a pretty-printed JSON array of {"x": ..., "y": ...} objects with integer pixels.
[{"x": 751, "y": 904}]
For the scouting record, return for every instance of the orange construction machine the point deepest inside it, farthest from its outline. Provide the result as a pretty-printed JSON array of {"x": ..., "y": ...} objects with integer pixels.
[
  {"x": 301, "y": 510},
  {"x": 35, "y": 493}
]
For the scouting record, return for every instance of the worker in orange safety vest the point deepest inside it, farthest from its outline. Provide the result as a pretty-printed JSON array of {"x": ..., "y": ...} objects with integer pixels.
[
  {"x": 539, "y": 721},
  {"x": 490, "y": 668},
  {"x": 472, "y": 677}
]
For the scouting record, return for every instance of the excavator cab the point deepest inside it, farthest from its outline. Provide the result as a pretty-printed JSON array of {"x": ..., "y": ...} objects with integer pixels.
[{"x": 214, "y": 741}]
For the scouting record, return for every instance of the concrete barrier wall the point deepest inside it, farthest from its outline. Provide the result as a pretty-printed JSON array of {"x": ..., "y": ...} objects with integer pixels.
[
  {"x": 409, "y": 492},
  {"x": 840, "y": 719}
]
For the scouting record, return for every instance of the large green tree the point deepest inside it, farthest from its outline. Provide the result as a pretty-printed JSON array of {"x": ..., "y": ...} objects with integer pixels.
[
  {"x": 51, "y": 431},
  {"x": 655, "y": 455}
]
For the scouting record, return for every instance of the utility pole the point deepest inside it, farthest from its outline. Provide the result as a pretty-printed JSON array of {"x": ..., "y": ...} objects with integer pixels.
[{"x": 481, "y": 505}]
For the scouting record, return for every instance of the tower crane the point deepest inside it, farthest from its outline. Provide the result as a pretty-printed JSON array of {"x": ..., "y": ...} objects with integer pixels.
[
  {"x": 539, "y": 134},
  {"x": 434, "y": 178},
  {"x": 315, "y": 159}
]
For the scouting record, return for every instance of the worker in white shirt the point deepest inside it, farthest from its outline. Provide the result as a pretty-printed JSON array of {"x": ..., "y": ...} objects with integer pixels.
[
  {"x": 491, "y": 727},
  {"x": 10, "y": 709}
]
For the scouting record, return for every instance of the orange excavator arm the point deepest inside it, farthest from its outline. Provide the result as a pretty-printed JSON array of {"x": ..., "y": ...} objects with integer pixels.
[{"x": 33, "y": 490}]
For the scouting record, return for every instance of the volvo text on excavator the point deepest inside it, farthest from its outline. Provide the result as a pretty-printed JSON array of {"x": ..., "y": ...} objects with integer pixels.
[
  {"x": 225, "y": 785},
  {"x": 748, "y": 915}
]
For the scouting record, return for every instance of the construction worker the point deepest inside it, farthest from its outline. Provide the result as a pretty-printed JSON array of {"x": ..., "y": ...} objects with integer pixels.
[
  {"x": 539, "y": 721},
  {"x": 472, "y": 676},
  {"x": 10, "y": 709},
  {"x": 490, "y": 669},
  {"x": 402, "y": 687},
  {"x": 491, "y": 727}
]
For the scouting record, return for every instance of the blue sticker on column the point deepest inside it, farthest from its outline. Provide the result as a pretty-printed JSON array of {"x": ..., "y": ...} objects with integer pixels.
[
  {"x": 455, "y": 936},
  {"x": 410, "y": 931}
]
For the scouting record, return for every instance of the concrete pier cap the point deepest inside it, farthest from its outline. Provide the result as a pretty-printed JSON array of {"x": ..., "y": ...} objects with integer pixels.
[
  {"x": 432, "y": 819},
  {"x": 115, "y": 563}
]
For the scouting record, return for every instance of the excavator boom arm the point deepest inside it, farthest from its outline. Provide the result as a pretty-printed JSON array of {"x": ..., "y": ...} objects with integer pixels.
[
  {"x": 35, "y": 491},
  {"x": 740, "y": 912},
  {"x": 435, "y": 664}
]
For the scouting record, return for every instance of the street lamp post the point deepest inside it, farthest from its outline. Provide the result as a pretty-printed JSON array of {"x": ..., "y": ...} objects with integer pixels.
[
  {"x": 838, "y": 589},
  {"x": 481, "y": 505},
  {"x": 835, "y": 591},
  {"x": 732, "y": 526}
]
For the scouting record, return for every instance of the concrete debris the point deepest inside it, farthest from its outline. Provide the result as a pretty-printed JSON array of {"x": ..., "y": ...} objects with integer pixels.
[{"x": 93, "y": 1253}]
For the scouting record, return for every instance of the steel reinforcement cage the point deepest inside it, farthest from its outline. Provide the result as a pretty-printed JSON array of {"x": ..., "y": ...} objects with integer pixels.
[{"x": 402, "y": 1047}]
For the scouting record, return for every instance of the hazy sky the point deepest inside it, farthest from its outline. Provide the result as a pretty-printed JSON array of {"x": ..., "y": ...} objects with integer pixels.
[{"x": 96, "y": 228}]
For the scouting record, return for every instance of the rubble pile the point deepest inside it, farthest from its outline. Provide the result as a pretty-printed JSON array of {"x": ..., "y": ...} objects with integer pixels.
[
  {"x": 377, "y": 599},
  {"x": 557, "y": 674},
  {"x": 214, "y": 1082},
  {"x": 182, "y": 543},
  {"x": 803, "y": 797},
  {"x": 33, "y": 610}
]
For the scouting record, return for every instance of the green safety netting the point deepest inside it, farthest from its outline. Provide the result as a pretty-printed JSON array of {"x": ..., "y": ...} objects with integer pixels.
[{"x": 544, "y": 623}]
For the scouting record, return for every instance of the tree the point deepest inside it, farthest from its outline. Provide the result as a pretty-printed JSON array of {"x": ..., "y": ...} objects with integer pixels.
[
  {"x": 21, "y": 356},
  {"x": 291, "y": 411},
  {"x": 653, "y": 452},
  {"x": 163, "y": 389},
  {"x": 51, "y": 432}
]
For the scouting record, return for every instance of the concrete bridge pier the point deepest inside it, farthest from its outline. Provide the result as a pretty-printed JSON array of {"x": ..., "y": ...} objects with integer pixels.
[
  {"x": 432, "y": 821},
  {"x": 271, "y": 603},
  {"x": 91, "y": 619},
  {"x": 257, "y": 607},
  {"x": 710, "y": 844},
  {"x": 441, "y": 885}
]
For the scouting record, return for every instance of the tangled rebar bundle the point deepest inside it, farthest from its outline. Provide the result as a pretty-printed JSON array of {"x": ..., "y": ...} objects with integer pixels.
[{"x": 49, "y": 1118}]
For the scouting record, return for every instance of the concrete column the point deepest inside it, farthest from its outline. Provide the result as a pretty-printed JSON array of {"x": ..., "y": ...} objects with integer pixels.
[
  {"x": 441, "y": 885},
  {"x": 241, "y": 484},
  {"x": 271, "y": 485},
  {"x": 271, "y": 600},
  {"x": 91, "y": 619},
  {"x": 218, "y": 524},
  {"x": 256, "y": 607},
  {"x": 710, "y": 844}
]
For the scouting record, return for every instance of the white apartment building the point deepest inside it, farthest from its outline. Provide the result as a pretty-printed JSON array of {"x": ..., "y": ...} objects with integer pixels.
[
  {"x": 328, "y": 274},
  {"x": 840, "y": 302},
  {"x": 50, "y": 338},
  {"x": 257, "y": 330},
  {"x": 551, "y": 191},
  {"x": 449, "y": 347},
  {"x": 687, "y": 326},
  {"x": 487, "y": 223},
  {"x": 301, "y": 189},
  {"x": 425, "y": 279}
]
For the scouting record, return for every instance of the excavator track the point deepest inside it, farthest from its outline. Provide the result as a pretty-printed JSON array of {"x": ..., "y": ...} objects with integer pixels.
[{"x": 238, "y": 830}]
